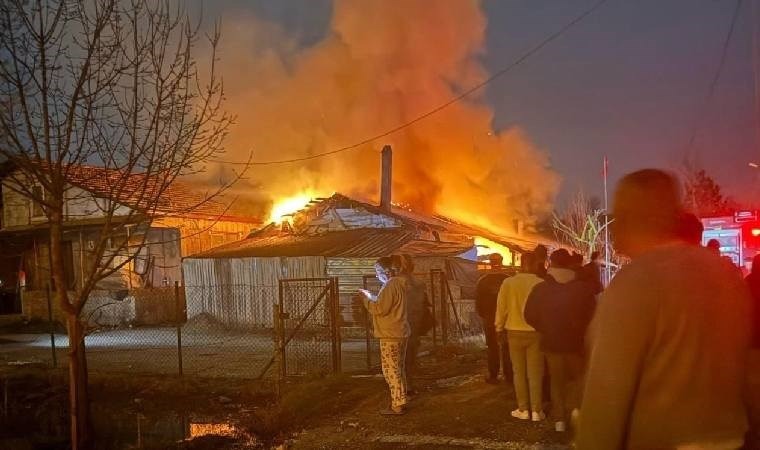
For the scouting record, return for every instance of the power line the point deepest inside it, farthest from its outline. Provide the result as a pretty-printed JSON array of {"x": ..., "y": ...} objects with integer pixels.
[
  {"x": 439, "y": 108},
  {"x": 716, "y": 77}
]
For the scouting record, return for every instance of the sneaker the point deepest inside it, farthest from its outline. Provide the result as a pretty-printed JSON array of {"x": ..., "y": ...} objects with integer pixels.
[
  {"x": 559, "y": 426},
  {"x": 537, "y": 416},
  {"x": 389, "y": 411},
  {"x": 521, "y": 414}
]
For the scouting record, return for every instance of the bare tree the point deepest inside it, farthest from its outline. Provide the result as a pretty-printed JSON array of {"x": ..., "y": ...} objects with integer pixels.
[
  {"x": 112, "y": 84},
  {"x": 581, "y": 225}
]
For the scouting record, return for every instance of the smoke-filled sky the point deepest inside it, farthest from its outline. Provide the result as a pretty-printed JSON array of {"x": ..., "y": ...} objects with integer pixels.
[{"x": 306, "y": 76}]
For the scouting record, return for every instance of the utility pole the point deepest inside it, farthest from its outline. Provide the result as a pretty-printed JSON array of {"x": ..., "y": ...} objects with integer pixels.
[
  {"x": 755, "y": 18},
  {"x": 607, "y": 271}
]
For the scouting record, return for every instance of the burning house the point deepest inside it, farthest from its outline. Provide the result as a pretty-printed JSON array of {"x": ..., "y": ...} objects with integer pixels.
[
  {"x": 337, "y": 237},
  {"x": 176, "y": 230}
]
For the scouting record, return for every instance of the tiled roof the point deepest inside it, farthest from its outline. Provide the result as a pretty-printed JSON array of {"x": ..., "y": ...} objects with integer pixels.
[{"x": 138, "y": 191}]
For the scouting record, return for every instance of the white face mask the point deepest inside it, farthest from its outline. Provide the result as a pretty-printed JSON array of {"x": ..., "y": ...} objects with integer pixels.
[{"x": 382, "y": 275}]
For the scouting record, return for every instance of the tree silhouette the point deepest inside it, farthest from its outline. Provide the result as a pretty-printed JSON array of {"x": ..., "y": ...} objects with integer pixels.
[{"x": 703, "y": 196}]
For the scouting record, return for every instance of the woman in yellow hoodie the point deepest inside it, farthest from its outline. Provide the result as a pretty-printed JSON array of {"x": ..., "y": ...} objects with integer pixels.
[
  {"x": 391, "y": 327},
  {"x": 524, "y": 341}
]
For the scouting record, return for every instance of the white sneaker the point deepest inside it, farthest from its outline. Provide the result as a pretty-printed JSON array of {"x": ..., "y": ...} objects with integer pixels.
[
  {"x": 559, "y": 426},
  {"x": 520, "y": 414},
  {"x": 538, "y": 416}
]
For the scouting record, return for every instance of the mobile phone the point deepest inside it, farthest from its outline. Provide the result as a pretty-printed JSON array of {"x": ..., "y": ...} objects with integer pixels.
[{"x": 369, "y": 295}]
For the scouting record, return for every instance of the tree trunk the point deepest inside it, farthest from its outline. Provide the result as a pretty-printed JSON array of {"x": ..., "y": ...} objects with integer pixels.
[
  {"x": 78, "y": 395},
  {"x": 79, "y": 408}
]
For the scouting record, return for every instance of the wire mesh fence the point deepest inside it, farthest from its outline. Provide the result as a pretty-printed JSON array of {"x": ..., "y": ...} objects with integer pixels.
[
  {"x": 236, "y": 330},
  {"x": 308, "y": 331}
]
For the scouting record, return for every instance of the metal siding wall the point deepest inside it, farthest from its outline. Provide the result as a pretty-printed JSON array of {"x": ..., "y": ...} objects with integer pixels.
[
  {"x": 350, "y": 273},
  {"x": 242, "y": 291}
]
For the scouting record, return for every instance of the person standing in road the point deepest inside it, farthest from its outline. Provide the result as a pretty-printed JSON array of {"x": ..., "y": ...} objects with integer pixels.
[
  {"x": 670, "y": 340},
  {"x": 524, "y": 342},
  {"x": 418, "y": 313},
  {"x": 486, "y": 295},
  {"x": 560, "y": 309},
  {"x": 389, "y": 317}
]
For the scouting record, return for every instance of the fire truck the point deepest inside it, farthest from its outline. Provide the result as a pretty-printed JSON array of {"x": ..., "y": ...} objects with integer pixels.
[{"x": 739, "y": 236}]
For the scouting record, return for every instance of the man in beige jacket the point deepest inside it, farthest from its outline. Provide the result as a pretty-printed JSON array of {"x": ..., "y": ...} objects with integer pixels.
[
  {"x": 523, "y": 340},
  {"x": 670, "y": 339}
]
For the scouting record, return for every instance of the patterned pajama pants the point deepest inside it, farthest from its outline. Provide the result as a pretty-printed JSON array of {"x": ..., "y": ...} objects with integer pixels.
[{"x": 392, "y": 355}]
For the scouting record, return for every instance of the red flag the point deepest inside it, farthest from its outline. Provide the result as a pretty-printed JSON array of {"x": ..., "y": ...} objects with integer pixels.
[{"x": 605, "y": 167}]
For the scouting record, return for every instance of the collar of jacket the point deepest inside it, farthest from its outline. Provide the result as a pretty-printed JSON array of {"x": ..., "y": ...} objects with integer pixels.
[{"x": 561, "y": 275}]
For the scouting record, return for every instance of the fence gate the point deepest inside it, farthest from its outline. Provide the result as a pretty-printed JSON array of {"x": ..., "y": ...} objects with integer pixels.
[{"x": 307, "y": 330}]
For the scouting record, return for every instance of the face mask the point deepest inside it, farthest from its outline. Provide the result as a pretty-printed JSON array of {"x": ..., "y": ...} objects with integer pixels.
[{"x": 382, "y": 276}]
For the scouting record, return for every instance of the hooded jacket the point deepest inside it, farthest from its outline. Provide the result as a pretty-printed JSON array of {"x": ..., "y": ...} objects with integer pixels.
[
  {"x": 561, "y": 308},
  {"x": 389, "y": 311}
]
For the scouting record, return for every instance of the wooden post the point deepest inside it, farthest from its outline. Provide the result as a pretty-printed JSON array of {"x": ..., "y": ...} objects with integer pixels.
[
  {"x": 179, "y": 315},
  {"x": 444, "y": 310},
  {"x": 5, "y": 397},
  {"x": 432, "y": 304}
]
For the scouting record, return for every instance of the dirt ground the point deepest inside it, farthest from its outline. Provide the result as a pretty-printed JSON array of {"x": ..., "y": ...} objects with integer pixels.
[
  {"x": 205, "y": 353},
  {"x": 455, "y": 409}
]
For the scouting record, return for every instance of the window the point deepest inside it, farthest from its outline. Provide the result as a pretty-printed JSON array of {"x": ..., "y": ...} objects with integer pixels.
[{"x": 37, "y": 210}]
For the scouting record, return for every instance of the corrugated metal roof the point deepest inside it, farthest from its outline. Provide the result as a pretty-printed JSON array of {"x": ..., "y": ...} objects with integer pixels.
[
  {"x": 357, "y": 243},
  {"x": 433, "y": 222}
]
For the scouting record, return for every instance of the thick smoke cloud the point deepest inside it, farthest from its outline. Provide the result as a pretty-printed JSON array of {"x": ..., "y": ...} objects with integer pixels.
[{"x": 380, "y": 64}]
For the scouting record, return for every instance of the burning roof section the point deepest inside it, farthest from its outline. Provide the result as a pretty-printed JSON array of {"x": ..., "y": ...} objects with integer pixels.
[{"x": 340, "y": 226}]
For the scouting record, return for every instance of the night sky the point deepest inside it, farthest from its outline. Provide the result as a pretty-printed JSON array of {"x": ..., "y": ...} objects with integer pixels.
[{"x": 630, "y": 82}]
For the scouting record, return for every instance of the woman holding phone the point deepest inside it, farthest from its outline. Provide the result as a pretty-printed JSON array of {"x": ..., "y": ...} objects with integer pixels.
[{"x": 389, "y": 317}]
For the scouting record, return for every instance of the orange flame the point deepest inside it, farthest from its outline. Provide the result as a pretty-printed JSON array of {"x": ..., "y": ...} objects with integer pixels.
[{"x": 284, "y": 207}]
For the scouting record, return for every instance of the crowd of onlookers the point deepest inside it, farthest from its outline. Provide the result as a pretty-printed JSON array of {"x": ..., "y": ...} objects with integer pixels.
[{"x": 657, "y": 360}]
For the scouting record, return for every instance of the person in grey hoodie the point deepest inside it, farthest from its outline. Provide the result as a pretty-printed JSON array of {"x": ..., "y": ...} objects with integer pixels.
[{"x": 391, "y": 327}]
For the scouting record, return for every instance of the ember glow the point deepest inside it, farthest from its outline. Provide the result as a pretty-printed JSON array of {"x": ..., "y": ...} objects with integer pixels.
[{"x": 284, "y": 207}]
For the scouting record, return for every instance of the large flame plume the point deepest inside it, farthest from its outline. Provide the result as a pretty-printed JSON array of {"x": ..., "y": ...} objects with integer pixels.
[{"x": 380, "y": 64}]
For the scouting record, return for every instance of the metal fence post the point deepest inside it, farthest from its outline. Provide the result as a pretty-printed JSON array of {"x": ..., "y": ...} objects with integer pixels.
[
  {"x": 335, "y": 318},
  {"x": 280, "y": 333},
  {"x": 178, "y": 316},
  {"x": 276, "y": 343},
  {"x": 432, "y": 303},
  {"x": 52, "y": 325},
  {"x": 444, "y": 310}
]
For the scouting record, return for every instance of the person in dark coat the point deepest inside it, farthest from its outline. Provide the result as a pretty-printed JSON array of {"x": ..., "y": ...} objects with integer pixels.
[
  {"x": 753, "y": 281},
  {"x": 486, "y": 293},
  {"x": 540, "y": 255},
  {"x": 417, "y": 302},
  {"x": 560, "y": 309},
  {"x": 592, "y": 273},
  {"x": 690, "y": 229},
  {"x": 753, "y": 389}
]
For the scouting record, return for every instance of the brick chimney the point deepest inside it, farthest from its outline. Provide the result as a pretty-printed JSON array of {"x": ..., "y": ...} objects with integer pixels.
[{"x": 386, "y": 178}]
